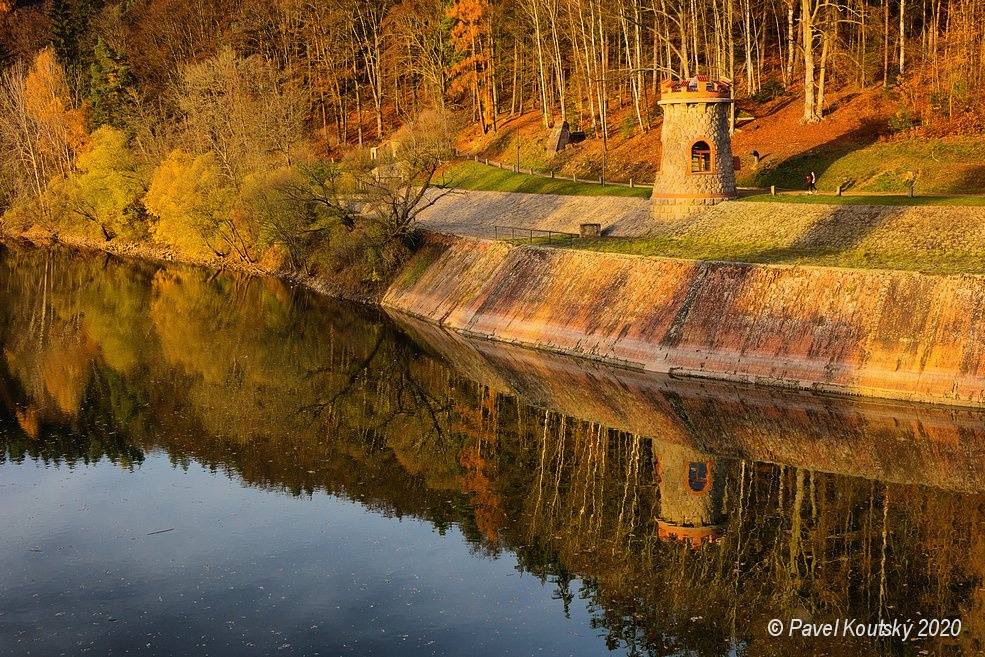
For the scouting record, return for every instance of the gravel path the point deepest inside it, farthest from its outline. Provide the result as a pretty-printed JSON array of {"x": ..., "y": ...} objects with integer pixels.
[{"x": 475, "y": 214}]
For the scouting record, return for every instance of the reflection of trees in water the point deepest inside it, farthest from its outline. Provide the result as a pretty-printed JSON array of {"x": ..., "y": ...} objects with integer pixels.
[{"x": 672, "y": 548}]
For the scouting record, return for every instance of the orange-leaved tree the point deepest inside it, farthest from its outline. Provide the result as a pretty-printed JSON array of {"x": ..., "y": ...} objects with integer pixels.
[
  {"x": 61, "y": 125},
  {"x": 473, "y": 72}
]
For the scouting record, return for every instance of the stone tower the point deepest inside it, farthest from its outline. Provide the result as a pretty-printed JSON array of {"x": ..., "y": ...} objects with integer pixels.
[{"x": 696, "y": 166}]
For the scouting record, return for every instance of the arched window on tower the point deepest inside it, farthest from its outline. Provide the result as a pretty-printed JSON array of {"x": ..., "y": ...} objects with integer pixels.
[{"x": 701, "y": 157}]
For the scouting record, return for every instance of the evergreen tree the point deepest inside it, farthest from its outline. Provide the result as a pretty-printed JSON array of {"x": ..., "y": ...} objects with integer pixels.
[
  {"x": 64, "y": 31},
  {"x": 71, "y": 36},
  {"x": 112, "y": 93}
]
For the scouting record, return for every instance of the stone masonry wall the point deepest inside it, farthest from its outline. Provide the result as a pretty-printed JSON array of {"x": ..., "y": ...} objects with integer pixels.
[
  {"x": 891, "y": 334},
  {"x": 684, "y": 124}
]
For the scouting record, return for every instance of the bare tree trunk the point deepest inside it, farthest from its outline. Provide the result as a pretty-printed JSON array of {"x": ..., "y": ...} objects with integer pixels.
[
  {"x": 861, "y": 45},
  {"x": 539, "y": 38},
  {"x": 720, "y": 45},
  {"x": 807, "y": 26},
  {"x": 902, "y": 35},
  {"x": 359, "y": 104},
  {"x": 555, "y": 20},
  {"x": 747, "y": 36},
  {"x": 790, "y": 41},
  {"x": 885, "y": 44},
  {"x": 821, "y": 76},
  {"x": 730, "y": 21},
  {"x": 632, "y": 64},
  {"x": 587, "y": 35},
  {"x": 494, "y": 84},
  {"x": 516, "y": 76}
]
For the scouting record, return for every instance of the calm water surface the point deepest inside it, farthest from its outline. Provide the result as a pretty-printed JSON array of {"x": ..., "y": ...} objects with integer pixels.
[{"x": 200, "y": 464}]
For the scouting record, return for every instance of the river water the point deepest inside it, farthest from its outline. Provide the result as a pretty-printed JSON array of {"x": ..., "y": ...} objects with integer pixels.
[{"x": 203, "y": 464}]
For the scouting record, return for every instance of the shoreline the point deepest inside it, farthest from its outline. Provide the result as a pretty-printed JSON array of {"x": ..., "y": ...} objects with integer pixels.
[
  {"x": 851, "y": 333},
  {"x": 729, "y": 419},
  {"x": 165, "y": 255}
]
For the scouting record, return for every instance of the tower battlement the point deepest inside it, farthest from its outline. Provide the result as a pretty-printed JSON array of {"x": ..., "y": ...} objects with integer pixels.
[{"x": 694, "y": 89}]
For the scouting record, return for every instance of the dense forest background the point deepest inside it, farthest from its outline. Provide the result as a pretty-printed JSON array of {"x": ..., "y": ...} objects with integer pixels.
[
  {"x": 360, "y": 64},
  {"x": 230, "y": 128}
]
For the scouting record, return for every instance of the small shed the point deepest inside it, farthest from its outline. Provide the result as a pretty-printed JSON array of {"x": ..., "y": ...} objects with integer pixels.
[
  {"x": 559, "y": 138},
  {"x": 388, "y": 167}
]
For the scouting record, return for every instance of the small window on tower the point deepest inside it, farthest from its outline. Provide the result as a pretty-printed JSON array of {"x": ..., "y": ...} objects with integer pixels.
[{"x": 701, "y": 157}]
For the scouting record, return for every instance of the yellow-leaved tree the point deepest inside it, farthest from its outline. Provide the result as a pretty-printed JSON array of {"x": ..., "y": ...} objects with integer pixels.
[
  {"x": 59, "y": 124},
  {"x": 105, "y": 188},
  {"x": 40, "y": 131},
  {"x": 190, "y": 198}
]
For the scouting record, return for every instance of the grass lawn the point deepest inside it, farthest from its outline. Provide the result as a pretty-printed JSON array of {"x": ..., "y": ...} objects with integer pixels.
[
  {"x": 940, "y": 262},
  {"x": 478, "y": 176},
  {"x": 883, "y": 199},
  {"x": 931, "y": 239},
  {"x": 954, "y": 165}
]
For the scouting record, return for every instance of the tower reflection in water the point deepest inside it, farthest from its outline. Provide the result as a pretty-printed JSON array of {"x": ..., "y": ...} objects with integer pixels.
[{"x": 692, "y": 488}]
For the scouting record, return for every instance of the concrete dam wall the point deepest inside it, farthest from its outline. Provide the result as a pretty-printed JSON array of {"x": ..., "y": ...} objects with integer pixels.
[{"x": 893, "y": 334}]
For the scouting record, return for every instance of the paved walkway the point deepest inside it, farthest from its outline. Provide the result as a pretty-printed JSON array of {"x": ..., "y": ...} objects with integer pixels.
[{"x": 475, "y": 214}]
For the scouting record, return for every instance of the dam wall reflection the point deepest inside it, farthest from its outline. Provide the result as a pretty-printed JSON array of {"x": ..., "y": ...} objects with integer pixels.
[{"x": 876, "y": 439}]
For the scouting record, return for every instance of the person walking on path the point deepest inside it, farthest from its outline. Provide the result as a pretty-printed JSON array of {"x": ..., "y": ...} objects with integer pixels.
[{"x": 812, "y": 183}]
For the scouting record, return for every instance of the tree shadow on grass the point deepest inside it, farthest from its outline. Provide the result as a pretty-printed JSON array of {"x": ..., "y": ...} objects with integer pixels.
[
  {"x": 790, "y": 173},
  {"x": 499, "y": 143},
  {"x": 840, "y": 230},
  {"x": 970, "y": 180}
]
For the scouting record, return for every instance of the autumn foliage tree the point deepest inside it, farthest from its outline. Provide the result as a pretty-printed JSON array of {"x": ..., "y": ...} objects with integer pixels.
[
  {"x": 106, "y": 189},
  {"x": 472, "y": 73},
  {"x": 189, "y": 198},
  {"x": 243, "y": 111},
  {"x": 40, "y": 127}
]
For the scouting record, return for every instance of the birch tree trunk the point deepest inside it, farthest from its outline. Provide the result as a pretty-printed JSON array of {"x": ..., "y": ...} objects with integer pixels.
[
  {"x": 807, "y": 28},
  {"x": 885, "y": 44},
  {"x": 790, "y": 41},
  {"x": 819, "y": 112},
  {"x": 902, "y": 35},
  {"x": 534, "y": 8}
]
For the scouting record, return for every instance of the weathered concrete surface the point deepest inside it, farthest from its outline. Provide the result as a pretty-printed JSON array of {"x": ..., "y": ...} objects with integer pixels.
[
  {"x": 476, "y": 213},
  {"x": 890, "y": 334},
  {"x": 893, "y": 441}
]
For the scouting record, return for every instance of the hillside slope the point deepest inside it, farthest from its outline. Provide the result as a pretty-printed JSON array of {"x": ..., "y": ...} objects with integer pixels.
[{"x": 854, "y": 143}]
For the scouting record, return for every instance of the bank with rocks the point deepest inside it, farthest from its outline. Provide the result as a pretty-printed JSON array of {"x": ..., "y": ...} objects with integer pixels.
[{"x": 152, "y": 252}]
